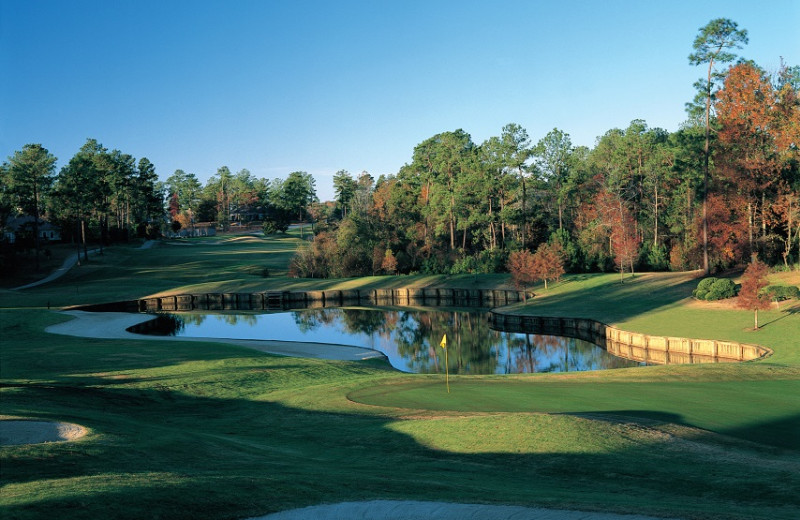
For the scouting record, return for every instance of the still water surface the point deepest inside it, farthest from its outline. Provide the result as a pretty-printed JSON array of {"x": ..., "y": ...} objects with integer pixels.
[{"x": 409, "y": 339}]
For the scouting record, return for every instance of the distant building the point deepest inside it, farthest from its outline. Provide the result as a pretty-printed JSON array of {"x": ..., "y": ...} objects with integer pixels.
[
  {"x": 201, "y": 229},
  {"x": 18, "y": 226}
]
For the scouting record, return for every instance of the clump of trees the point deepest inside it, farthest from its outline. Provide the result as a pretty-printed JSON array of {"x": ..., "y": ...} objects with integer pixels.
[
  {"x": 28, "y": 178},
  {"x": 103, "y": 196},
  {"x": 100, "y": 194},
  {"x": 240, "y": 198},
  {"x": 527, "y": 268},
  {"x": 721, "y": 188}
]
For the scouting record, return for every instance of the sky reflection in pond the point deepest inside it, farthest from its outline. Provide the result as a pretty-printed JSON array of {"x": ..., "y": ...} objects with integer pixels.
[{"x": 410, "y": 339}]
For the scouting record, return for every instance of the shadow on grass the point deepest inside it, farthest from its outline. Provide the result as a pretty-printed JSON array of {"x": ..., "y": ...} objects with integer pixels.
[
  {"x": 198, "y": 447},
  {"x": 608, "y": 299},
  {"x": 650, "y": 417},
  {"x": 165, "y": 453},
  {"x": 787, "y": 312},
  {"x": 783, "y": 433}
]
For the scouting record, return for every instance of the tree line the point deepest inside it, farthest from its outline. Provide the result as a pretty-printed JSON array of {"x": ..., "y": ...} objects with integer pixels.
[
  {"x": 104, "y": 196},
  {"x": 720, "y": 190},
  {"x": 100, "y": 195},
  {"x": 229, "y": 198}
]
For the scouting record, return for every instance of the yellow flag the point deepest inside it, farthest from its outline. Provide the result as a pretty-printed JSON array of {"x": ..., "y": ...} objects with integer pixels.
[{"x": 443, "y": 343}]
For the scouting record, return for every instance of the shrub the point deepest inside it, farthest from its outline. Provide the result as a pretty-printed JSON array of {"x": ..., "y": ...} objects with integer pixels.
[
  {"x": 434, "y": 265},
  {"x": 485, "y": 262},
  {"x": 272, "y": 226},
  {"x": 703, "y": 287},
  {"x": 715, "y": 289},
  {"x": 721, "y": 289},
  {"x": 781, "y": 292},
  {"x": 654, "y": 257}
]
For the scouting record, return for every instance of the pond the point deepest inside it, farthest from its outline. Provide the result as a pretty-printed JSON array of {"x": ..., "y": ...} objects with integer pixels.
[{"x": 409, "y": 338}]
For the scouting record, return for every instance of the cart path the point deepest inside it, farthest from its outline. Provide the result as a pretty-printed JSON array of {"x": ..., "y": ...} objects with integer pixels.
[{"x": 68, "y": 264}]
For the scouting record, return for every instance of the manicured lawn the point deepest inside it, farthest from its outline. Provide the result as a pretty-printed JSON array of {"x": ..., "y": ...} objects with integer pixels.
[{"x": 205, "y": 430}]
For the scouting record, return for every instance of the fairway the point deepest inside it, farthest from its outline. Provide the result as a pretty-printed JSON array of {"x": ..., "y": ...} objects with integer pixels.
[{"x": 210, "y": 430}]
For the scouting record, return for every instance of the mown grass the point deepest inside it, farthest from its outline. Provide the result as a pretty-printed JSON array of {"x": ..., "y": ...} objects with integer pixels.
[{"x": 204, "y": 430}]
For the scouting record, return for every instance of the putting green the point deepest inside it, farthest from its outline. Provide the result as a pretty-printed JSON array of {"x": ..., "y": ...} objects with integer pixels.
[{"x": 764, "y": 411}]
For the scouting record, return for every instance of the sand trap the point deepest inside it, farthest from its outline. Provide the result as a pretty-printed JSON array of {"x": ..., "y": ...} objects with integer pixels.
[
  {"x": 414, "y": 510},
  {"x": 20, "y": 431}
]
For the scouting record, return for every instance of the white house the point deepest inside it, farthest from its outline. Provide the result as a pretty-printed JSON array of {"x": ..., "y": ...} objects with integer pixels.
[{"x": 14, "y": 226}]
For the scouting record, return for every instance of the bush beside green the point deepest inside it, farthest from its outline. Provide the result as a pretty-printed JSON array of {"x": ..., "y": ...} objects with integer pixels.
[
  {"x": 782, "y": 292},
  {"x": 715, "y": 289}
]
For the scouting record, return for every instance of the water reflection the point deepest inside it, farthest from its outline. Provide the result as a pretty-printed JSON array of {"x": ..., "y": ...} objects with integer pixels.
[{"x": 409, "y": 338}]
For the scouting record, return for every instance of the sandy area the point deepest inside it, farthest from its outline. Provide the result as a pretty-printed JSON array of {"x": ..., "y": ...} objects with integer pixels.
[
  {"x": 21, "y": 431},
  {"x": 413, "y": 510}
]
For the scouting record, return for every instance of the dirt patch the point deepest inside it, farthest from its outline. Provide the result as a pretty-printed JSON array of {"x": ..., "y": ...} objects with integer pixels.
[
  {"x": 729, "y": 304},
  {"x": 22, "y": 431},
  {"x": 726, "y": 304}
]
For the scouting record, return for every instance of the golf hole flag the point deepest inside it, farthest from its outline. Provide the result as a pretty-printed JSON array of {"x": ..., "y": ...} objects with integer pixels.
[{"x": 443, "y": 344}]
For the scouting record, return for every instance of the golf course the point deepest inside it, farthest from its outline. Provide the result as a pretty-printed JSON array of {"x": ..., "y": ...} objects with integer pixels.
[{"x": 207, "y": 429}]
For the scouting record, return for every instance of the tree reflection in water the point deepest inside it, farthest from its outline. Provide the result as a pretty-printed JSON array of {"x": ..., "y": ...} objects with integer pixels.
[{"x": 410, "y": 339}]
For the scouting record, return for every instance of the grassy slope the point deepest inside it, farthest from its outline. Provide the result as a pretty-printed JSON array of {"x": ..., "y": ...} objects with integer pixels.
[
  {"x": 212, "y": 431},
  {"x": 764, "y": 408}
]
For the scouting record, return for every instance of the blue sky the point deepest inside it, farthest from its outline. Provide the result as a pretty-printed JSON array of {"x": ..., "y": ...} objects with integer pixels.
[{"x": 280, "y": 86}]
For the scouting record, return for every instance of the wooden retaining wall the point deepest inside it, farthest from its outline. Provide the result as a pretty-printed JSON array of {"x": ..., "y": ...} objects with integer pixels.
[
  {"x": 661, "y": 350},
  {"x": 630, "y": 345},
  {"x": 330, "y": 298}
]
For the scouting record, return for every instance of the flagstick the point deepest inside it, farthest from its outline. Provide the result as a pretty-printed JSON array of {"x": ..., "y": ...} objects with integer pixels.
[
  {"x": 446, "y": 371},
  {"x": 443, "y": 344}
]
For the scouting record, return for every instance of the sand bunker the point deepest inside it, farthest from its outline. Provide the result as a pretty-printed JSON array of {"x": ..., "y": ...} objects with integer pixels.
[
  {"x": 414, "y": 510},
  {"x": 20, "y": 431}
]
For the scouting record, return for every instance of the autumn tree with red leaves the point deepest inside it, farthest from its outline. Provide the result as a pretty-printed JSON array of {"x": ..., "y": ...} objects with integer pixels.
[
  {"x": 522, "y": 267},
  {"x": 750, "y": 158},
  {"x": 548, "y": 263},
  {"x": 786, "y": 211},
  {"x": 389, "y": 263},
  {"x": 759, "y": 132},
  {"x": 174, "y": 206},
  {"x": 621, "y": 226},
  {"x": 727, "y": 230},
  {"x": 750, "y": 296},
  {"x": 713, "y": 45}
]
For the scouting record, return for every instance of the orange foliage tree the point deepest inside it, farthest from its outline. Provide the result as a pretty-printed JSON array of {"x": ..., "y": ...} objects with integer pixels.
[
  {"x": 389, "y": 263},
  {"x": 522, "y": 267},
  {"x": 750, "y": 296},
  {"x": 548, "y": 263},
  {"x": 786, "y": 211},
  {"x": 727, "y": 230},
  {"x": 759, "y": 132},
  {"x": 619, "y": 222}
]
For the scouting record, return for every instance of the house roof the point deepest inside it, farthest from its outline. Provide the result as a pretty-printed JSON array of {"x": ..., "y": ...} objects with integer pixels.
[{"x": 14, "y": 224}]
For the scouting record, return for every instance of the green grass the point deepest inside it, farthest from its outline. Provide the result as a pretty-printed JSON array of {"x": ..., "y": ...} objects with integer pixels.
[
  {"x": 205, "y": 430},
  {"x": 764, "y": 411}
]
